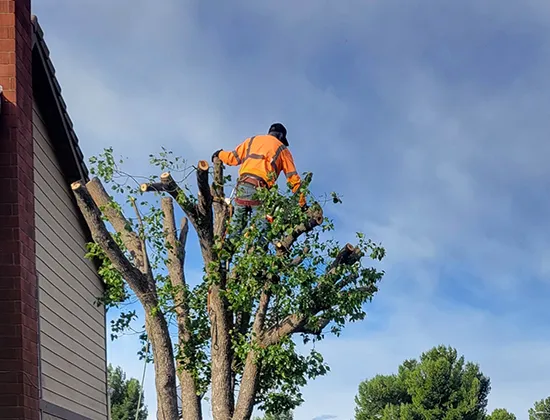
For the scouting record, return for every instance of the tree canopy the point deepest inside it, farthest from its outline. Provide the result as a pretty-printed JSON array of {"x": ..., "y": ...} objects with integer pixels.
[
  {"x": 440, "y": 385},
  {"x": 285, "y": 415},
  {"x": 541, "y": 410},
  {"x": 501, "y": 414},
  {"x": 234, "y": 332},
  {"x": 125, "y": 396}
]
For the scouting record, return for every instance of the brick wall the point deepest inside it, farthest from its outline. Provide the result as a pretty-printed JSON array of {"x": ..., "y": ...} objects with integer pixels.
[{"x": 19, "y": 383}]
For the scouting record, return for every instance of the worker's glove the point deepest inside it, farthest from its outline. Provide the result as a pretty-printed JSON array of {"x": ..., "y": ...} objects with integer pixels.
[
  {"x": 215, "y": 155},
  {"x": 302, "y": 201}
]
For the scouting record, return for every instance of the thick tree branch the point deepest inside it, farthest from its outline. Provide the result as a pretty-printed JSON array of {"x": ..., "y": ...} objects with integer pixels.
[
  {"x": 293, "y": 323},
  {"x": 205, "y": 195},
  {"x": 170, "y": 186},
  {"x": 141, "y": 235},
  {"x": 221, "y": 208},
  {"x": 299, "y": 259},
  {"x": 343, "y": 257},
  {"x": 176, "y": 258},
  {"x": 129, "y": 238},
  {"x": 315, "y": 215},
  {"x": 251, "y": 373},
  {"x": 204, "y": 225},
  {"x": 152, "y": 187},
  {"x": 191, "y": 406},
  {"x": 155, "y": 323},
  {"x": 134, "y": 277},
  {"x": 316, "y": 329}
]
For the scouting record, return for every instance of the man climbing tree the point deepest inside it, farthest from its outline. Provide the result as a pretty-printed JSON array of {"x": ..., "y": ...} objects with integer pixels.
[
  {"x": 300, "y": 288},
  {"x": 261, "y": 159}
]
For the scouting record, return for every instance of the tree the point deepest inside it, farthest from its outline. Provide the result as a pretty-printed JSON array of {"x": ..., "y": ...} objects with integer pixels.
[
  {"x": 501, "y": 414},
  {"x": 541, "y": 410},
  {"x": 236, "y": 328},
  {"x": 125, "y": 396},
  {"x": 285, "y": 415},
  {"x": 438, "y": 386}
]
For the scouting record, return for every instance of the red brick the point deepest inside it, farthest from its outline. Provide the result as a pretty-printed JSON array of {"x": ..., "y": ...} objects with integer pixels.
[
  {"x": 7, "y": 19},
  {"x": 7, "y": 45},
  {"x": 7, "y": 6},
  {"x": 6, "y": 159},
  {"x": 7, "y": 57},
  {"x": 12, "y": 349},
  {"x": 11, "y": 319},
  {"x": 9, "y": 271},
  {"x": 15, "y": 411},
  {"x": 7, "y": 32},
  {"x": 8, "y": 172},
  {"x": 18, "y": 285},
  {"x": 10, "y": 330},
  {"x": 8, "y": 399},
  {"x": 7, "y": 234},
  {"x": 9, "y": 283},
  {"x": 6, "y": 210},
  {"x": 8, "y": 259}
]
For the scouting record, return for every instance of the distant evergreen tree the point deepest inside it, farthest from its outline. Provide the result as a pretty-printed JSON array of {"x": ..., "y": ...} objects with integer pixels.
[
  {"x": 541, "y": 410},
  {"x": 125, "y": 395},
  {"x": 285, "y": 415}
]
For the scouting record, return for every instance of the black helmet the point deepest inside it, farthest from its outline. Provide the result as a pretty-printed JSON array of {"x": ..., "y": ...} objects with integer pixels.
[{"x": 278, "y": 130}]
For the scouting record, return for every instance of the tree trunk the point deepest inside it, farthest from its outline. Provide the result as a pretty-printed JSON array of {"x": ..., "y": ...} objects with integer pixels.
[
  {"x": 222, "y": 396},
  {"x": 190, "y": 402},
  {"x": 248, "y": 389},
  {"x": 163, "y": 354},
  {"x": 251, "y": 373}
]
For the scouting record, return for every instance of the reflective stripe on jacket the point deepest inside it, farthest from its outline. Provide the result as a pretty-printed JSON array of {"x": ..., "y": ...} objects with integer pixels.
[{"x": 263, "y": 156}]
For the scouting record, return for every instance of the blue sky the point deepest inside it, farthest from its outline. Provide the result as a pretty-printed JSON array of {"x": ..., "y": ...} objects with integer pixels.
[{"x": 430, "y": 117}]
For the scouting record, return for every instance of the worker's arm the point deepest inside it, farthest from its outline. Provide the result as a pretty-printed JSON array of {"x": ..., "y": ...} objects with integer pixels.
[
  {"x": 289, "y": 168},
  {"x": 234, "y": 157}
]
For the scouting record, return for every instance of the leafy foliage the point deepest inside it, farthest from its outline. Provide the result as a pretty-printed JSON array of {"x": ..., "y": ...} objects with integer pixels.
[
  {"x": 285, "y": 415},
  {"x": 125, "y": 394},
  {"x": 541, "y": 410},
  {"x": 501, "y": 414},
  {"x": 301, "y": 282},
  {"x": 438, "y": 386}
]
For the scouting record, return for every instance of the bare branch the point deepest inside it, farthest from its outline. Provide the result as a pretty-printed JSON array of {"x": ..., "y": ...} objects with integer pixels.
[
  {"x": 176, "y": 253},
  {"x": 205, "y": 195},
  {"x": 221, "y": 209},
  {"x": 146, "y": 268},
  {"x": 152, "y": 187},
  {"x": 103, "y": 238},
  {"x": 172, "y": 188},
  {"x": 118, "y": 221},
  {"x": 191, "y": 407},
  {"x": 184, "y": 230},
  {"x": 218, "y": 184}
]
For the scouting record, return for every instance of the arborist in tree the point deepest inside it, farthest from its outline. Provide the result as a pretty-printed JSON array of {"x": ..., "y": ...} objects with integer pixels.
[{"x": 261, "y": 159}]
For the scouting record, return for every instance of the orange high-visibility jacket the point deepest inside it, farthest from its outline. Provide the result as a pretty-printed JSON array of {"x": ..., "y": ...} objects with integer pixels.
[{"x": 263, "y": 156}]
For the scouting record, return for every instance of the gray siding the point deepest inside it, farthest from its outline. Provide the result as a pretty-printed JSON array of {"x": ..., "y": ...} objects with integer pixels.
[
  {"x": 72, "y": 327},
  {"x": 46, "y": 416}
]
